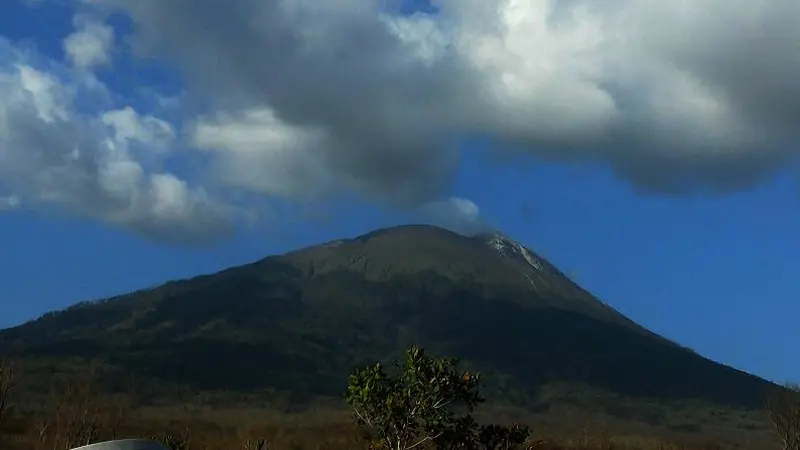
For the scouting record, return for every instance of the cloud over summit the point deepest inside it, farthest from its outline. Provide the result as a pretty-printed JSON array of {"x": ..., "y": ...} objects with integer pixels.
[{"x": 294, "y": 99}]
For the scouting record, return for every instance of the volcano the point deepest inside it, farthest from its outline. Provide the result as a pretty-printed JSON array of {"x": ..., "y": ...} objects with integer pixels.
[{"x": 299, "y": 322}]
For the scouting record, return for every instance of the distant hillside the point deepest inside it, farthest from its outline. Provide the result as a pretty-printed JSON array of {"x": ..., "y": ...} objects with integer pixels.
[{"x": 299, "y": 322}]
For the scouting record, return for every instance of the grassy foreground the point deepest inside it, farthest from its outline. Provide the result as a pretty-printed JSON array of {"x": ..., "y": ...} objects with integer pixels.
[
  {"x": 76, "y": 412},
  {"x": 330, "y": 430}
]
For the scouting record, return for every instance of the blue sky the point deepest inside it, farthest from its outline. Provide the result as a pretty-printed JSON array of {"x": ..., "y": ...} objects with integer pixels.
[{"x": 670, "y": 194}]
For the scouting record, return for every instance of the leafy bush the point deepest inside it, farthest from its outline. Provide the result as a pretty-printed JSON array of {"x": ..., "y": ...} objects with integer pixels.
[{"x": 419, "y": 408}]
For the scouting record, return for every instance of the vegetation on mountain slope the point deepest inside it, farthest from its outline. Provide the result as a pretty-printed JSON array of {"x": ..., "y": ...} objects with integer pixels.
[{"x": 295, "y": 324}]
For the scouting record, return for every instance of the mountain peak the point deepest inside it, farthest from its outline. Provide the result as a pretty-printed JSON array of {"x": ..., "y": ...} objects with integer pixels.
[
  {"x": 491, "y": 262},
  {"x": 408, "y": 229}
]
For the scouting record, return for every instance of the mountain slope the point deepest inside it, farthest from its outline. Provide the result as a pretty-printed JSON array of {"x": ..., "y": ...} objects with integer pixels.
[{"x": 299, "y": 322}]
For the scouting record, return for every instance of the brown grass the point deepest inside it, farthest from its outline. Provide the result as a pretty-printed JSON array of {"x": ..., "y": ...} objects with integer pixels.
[
  {"x": 76, "y": 413},
  {"x": 296, "y": 434},
  {"x": 244, "y": 429}
]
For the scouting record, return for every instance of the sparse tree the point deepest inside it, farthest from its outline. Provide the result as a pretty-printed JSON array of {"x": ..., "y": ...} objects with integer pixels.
[
  {"x": 783, "y": 407},
  {"x": 418, "y": 409},
  {"x": 80, "y": 413},
  {"x": 172, "y": 442},
  {"x": 7, "y": 382}
]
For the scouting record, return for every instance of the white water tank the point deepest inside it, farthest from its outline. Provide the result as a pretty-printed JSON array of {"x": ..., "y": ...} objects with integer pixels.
[{"x": 124, "y": 444}]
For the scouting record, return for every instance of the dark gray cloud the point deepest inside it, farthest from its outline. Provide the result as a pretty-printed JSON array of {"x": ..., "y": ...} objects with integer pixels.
[
  {"x": 676, "y": 96},
  {"x": 306, "y": 100}
]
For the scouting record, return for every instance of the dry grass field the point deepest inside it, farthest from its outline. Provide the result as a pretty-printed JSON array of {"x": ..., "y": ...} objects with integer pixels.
[{"x": 76, "y": 412}]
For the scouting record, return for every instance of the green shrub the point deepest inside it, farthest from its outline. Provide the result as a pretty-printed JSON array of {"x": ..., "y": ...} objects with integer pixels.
[{"x": 418, "y": 409}]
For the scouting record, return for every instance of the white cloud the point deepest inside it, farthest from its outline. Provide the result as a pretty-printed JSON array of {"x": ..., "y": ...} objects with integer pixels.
[
  {"x": 53, "y": 156},
  {"x": 9, "y": 202},
  {"x": 42, "y": 91},
  {"x": 675, "y": 95},
  {"x": 459, "y": 214},
  {"x": 295, "y": 99},
  {"x": 90, "y": 45},
  {"x": 255, "y": 150},
  {"x": 130, "y": 126}
]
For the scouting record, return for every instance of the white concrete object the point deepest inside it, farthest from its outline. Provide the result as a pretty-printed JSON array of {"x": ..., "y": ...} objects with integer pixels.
[{"x": 124, "y": 444}]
